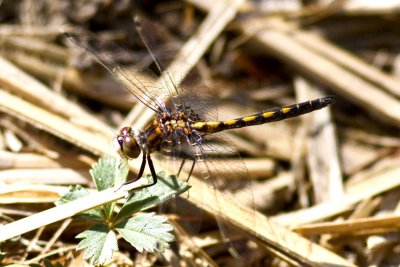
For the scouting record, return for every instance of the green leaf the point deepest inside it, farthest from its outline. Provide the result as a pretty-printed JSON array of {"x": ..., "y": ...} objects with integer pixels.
[
  {"x": 147, "y": 232},
  {"x": 109, "y": 172},
  {"x": 106, "y": 173},
  {"x": 74, "y": 193},
  {"x": 2, "y": 256},
  {"x": 99, "y": 242},
  {"x": 48, "y": 263},
  {"x": 166, "y": 188},
  {"x": 77, "y": 192}
]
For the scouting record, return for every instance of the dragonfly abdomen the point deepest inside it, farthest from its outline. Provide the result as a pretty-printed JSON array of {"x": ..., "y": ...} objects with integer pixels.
[{"x": 275, "y": 114}]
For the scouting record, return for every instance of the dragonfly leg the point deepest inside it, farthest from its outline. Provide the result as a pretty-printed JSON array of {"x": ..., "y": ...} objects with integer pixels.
[
  {"x": 152, "y": 171},
  {"x": 139, "y": 175},
  {"x": 191, "y": 170},
  {"x": 141, "y": 170},
  {"x": 180, "y": 168},
  {"x": 146, "y": 157}
]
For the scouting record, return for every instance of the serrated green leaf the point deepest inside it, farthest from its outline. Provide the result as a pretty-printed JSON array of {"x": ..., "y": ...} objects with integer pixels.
[
  {"x": 74, "y": 193},
  {"x": 109, "y": 172},
  {"x": 106, "y": 173},
  {"x": 77, "y": 192},
  {"x": 99, "y": 242},
  {"x": 166, "y": 188},
  {"x": 147, "y": 232}
]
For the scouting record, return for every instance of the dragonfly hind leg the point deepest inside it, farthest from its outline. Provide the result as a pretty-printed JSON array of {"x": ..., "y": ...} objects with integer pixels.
[{"x": 191, "y": 169}]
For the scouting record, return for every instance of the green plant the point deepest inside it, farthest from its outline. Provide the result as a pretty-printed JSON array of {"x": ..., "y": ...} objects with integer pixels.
[{"x": 145, "y": 231}]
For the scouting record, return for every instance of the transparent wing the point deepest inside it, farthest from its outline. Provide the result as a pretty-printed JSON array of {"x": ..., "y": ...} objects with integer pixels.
[
  {"x": 228, "y": 173},
  {"x": 224, "y": 171},
  {"x": 137, "y": 78},
  {"x": 155, "y": 88},
  {"x": 194, "y": 96},
  {"x": 218, "y": 164},
  {"x": 173, "y": 157}
]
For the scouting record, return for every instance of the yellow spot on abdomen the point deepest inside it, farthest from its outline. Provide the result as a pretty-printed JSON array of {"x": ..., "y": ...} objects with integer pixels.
[
  {"x": 268, "y": 114},
  {"x": 249, "y": 118},
  {"x": 230, "y": 122},
  {"x": 213, "y": 124},
  {"x": 285, "y": 110}
]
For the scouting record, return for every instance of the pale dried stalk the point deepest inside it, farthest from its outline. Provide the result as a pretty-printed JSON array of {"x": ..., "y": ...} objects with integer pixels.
[
  {"x": 324, "y": 68},
  {"x": 322, "y": 155},
  {"x": 353, "y": 227},
  {"x": 45, "y": 176},
  {"x": 21, "y": 83},
  {"x": 65, "y": 211},
  {"x": 373, "y": 184}
]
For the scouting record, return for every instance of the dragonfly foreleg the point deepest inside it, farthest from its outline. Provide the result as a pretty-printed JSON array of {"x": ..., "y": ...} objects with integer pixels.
[
  {"x": 146, "y": 158},
  {"x": 152, "y": 171}
]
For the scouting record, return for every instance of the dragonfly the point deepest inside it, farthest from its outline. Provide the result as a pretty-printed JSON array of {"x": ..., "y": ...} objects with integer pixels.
[
  {"x": 180, "y": 124},
  {"x": 185, "y": 125}
]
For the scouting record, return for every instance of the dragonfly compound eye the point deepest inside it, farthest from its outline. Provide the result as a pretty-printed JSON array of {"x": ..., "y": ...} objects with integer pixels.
[{"x": 127, "y": 143}]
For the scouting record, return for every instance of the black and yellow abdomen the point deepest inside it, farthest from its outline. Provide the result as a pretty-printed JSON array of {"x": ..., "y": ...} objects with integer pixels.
[{"x": 275, "y": 114}]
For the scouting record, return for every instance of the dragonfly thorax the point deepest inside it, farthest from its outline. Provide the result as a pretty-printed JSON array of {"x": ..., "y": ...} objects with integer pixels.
[
  {"x": 128, "y": 142},
  {"x": 179, "y": 122}
]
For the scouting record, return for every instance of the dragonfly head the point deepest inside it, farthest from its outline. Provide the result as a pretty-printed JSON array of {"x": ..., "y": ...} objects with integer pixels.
[{"x": 127, "y": 143}]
